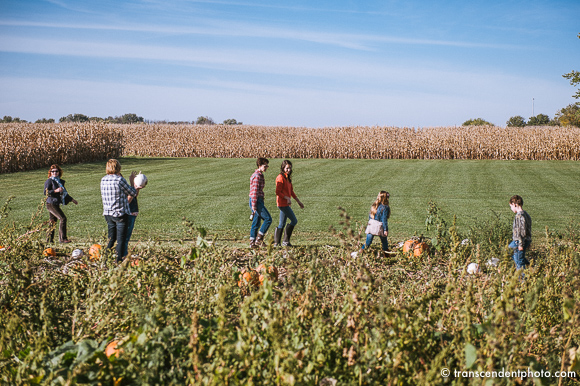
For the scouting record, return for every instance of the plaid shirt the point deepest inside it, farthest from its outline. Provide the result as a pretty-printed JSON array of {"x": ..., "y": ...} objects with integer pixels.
[
  {"x": 114, "y": 191},
  {"x": 257, "y": 183}
]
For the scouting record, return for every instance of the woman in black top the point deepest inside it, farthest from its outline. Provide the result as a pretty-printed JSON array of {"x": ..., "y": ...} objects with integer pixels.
[{"x": 56, "y": 195}]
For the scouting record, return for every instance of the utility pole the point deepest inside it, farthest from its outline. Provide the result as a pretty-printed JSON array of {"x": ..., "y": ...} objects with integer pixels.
[{"x": 533, "y": 107}]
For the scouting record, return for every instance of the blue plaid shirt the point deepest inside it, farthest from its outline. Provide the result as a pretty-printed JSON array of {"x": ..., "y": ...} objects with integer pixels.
[{"x": 114, "y": 192}]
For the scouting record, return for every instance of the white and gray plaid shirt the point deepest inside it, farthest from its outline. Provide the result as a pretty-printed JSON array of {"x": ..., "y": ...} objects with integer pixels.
[{"x": 114, "y": 191}]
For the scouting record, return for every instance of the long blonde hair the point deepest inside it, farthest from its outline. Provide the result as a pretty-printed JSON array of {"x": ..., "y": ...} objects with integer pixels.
[{"x": 383, "y": 198}]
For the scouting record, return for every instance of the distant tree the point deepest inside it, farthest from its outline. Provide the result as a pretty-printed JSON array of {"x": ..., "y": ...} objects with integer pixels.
[
  {"x": 204, "y": 121},
  {"x": 9, "y": 119},
  {"x": 574, "y": 77},
  {"x": 44, "y": 120},
  {"x": 477, "y": 122},
  {"x": 96, "y": 119},
  {"x": 74, "y": 118},
  {"x": 569, "y": 116},
  {"x": 130, "y": 118},
  {"x": 517, "y": 121},
  {"x": 539, "y": 120},
  {"x": 232, "y": 122}
]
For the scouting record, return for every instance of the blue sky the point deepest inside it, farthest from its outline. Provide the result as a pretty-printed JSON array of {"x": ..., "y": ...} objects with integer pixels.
[{"x": 301, "y": 63}]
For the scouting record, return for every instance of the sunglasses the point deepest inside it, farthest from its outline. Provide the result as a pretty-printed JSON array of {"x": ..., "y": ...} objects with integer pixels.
[{"x": 54, "y": 171}]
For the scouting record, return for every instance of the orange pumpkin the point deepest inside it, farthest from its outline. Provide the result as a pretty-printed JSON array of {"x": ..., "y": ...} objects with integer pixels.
[
  {"x": 264, "y": 271},
  {"x": 420, "y": 247},
  {"x": 249, "y": 278},
  {"x": 113, "y": 349},
  {"x": 49, "y": 252},
  {"x": 415, "y": 247},
  {"x": 95, "y": 252}
]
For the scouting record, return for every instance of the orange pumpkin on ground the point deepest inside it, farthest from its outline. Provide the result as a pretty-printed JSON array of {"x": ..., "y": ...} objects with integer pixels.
[
  {"x": 112, "y": 349},
  {"x": 95, "y": 252},
  {"x": 49, "y": 252},
  {"x": 415, "y": 247},
  {"x": 264, "y": 271},
  {"x": 249, "y": 278}
]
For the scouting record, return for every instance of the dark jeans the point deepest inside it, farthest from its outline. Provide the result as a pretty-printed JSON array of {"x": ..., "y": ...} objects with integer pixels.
[
  {"x": 130, "y": 225},
  {"x": 56, "y": 214},
  {"x": 118, "y": 232},
  {"x": 520, "y": 256}
]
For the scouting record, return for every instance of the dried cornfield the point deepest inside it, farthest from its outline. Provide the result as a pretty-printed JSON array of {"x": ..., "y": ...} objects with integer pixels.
[{"x": 29, "y": 146}]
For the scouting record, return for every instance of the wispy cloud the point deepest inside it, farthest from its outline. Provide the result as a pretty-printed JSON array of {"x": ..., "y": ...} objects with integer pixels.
[
  {"x": 270, "y": 5},
  {"x": 267, "y": 61},
  {"x": 232, "y": 29}
]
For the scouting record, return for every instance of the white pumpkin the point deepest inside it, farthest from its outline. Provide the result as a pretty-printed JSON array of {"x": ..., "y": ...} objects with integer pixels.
[
  {"x": 140, "y": 180},
  {"x": 493, "y": 262},
  {"x": 77, "y": 253},
  {"x": 473, "y": 268}
]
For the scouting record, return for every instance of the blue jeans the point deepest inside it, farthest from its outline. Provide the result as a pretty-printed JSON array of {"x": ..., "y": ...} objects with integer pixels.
[
  {"x": 286, "y": 212},
  {"x": 520, "y": 256},
  {"x": 117, "y": 227},
  {"x": 261, "y": 214},
  {"x": 384, "y": 241},
  {"x": 130, "y": 225}
]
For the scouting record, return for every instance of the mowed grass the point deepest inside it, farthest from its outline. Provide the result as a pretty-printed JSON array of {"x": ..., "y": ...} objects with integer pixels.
[{"x": 214, "y": 194}]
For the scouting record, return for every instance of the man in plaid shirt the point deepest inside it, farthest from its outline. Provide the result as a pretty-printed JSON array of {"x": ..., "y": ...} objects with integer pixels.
[
  {"x": 114, "y": 193},
  {"x": 259, "y": 211}
]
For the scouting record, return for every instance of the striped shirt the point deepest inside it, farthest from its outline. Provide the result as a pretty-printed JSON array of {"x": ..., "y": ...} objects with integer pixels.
[
  {"x": 257, "y": 183},
  {"x": 114, "y": 191}
]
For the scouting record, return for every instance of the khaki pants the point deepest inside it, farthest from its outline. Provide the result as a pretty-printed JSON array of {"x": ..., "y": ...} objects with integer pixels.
[{"x": 56, "y": 214}]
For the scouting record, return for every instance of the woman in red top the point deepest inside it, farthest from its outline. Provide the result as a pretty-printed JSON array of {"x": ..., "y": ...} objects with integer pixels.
[{"x": 284, "y": 195}]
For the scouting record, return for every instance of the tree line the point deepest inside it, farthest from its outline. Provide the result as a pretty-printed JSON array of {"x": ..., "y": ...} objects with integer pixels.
[
  {"x": 125, "y": 118},
  {"x": 568, "y": 116}
]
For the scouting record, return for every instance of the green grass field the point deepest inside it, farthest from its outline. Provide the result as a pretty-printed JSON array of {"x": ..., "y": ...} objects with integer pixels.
[{"x": 214, "y": 194}]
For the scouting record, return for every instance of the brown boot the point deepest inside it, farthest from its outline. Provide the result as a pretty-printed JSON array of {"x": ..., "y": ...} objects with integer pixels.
[{"x": 259, "y": 240}]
